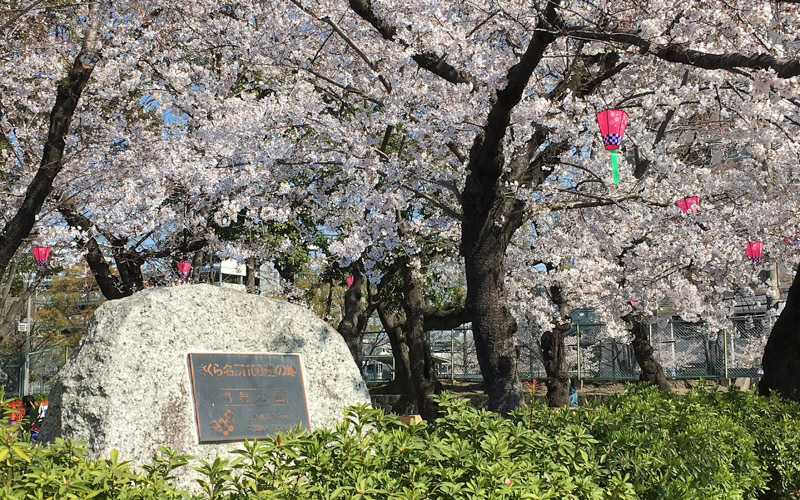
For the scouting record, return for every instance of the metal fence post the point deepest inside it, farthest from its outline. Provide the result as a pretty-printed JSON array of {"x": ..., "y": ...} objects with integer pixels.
[
  {"x": 578, "y": 346},
  {"x": 672, "y": 340},
  {"x": 725, "y": 350},
  {"x": 452, "y": 357}
]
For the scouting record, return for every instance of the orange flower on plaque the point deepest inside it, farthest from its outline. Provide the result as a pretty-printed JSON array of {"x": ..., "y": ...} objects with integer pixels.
[{"x": 225, "y": 424}]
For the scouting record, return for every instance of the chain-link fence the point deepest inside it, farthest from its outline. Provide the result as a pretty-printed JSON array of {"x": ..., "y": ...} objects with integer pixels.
[
  {"x": 33, "y": 373},
  {"x": 684, "y": 350}
]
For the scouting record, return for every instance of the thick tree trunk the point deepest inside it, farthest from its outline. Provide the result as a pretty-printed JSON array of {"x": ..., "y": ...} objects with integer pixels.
[
  {"x": 555, "y": 365},
  {"x": 652, "y": 371},
  {"x": 423, "y": 372},
  {"x": 348, "y": 327},
  {"x": 67, "y": 97},
  {"x": 493, "y": 326},
  {"x": 781, "y": 361}
]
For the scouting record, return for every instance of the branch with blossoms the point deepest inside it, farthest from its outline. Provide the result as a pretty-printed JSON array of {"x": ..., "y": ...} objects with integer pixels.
[
  {"x": 69, "y": 93},
  {"x": 679, "y": 53}
]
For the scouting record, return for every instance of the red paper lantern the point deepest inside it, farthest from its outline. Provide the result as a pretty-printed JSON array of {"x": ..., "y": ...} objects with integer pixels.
[
  {"x": 689, "y": 204},
  {"x": 612, "y": 126},
  {"x": 41, "y": 254},
  {"x": 753, "y": 251},
  {"x": 184, "y": 268},
  {"x": 349, "y": 280}
]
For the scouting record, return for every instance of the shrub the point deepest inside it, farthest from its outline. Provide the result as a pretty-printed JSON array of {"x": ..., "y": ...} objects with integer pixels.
[{"x": 644, "y": 444}]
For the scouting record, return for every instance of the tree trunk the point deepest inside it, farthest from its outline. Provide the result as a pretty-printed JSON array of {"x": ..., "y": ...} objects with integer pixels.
[
  {"x": 129, "y": 265},
  {"x": 493, "y": 326},
  {"x": 250, "y": 275},
  {"x": 423, "y": 372},
  {"x": 7, "y": 285},
  {"x": 491, "y": 216},
  {"x": 348, "y": 327},
  {"x": 402, "y": 383},
  {"x": 197, "y": 266},
  {"x": 781, "y": 361},
  {"x": 110, "y": 285},
  {"x": 67, "y": 97},
  {"x": 555, "y": 366},
  {"x": 652, "y": 371}
]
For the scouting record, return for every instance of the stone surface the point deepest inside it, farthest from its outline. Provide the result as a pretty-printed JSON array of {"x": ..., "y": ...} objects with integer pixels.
[{"x": 127, "y": 384}]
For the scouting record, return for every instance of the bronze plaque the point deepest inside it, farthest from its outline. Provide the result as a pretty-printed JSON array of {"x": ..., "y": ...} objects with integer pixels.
[{"x": 246, "y": 396}]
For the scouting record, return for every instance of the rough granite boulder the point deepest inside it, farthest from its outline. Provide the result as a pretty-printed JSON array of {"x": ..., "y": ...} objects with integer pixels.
[{"x": 127, "y": 384}]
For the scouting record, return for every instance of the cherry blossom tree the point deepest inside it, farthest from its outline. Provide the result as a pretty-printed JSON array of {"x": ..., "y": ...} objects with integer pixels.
[{"x": 471, "y": 118}]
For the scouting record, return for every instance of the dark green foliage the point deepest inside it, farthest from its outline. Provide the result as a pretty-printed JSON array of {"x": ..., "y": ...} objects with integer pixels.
[{"x": 645, "y": 444}]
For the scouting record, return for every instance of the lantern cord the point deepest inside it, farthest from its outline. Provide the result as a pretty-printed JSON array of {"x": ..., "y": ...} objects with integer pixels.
[{"x": 614, "y": 166}]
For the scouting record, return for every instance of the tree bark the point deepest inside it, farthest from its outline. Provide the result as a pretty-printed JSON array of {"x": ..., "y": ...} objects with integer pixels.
[
  {"x": 67, "y": 97},
  {"x": 423, "y": 372},
  {"x": 129, "y": 266},
  {"x": 493, "y": 326},
  {"x": 781, "y": 360},
  {"x": 555, "y": 366},
  {"x": 348, "y": 326},
  {"x": 447, "y": 317},
  {"x": 393, "y": 326},
  {"x": 7, "y": 285},
  {"x": 250, "y": 275},
  {"x": 197, "y": 266},
  {"x": 652, "y": 371},
  {"x": 110, "y": 285},
  {"x": 554, "y": 353}
]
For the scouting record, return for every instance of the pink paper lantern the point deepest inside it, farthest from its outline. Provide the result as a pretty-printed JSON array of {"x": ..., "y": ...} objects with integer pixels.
[
  {"x": 184, "y": 268},
  {"x": 41, "y": 254},
  {"x": 349, "y": 280},
  {"x": 753, "y": 250},
  {"x": 612, "y": 126},
  {"x": 689, "y": 204}
]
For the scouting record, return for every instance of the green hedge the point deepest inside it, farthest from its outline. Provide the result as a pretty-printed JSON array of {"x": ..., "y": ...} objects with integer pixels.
[{"x": 644, "y": 444}]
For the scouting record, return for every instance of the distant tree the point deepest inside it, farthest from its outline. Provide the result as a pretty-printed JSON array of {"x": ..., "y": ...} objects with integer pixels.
[{"x": 69, "y": 303}]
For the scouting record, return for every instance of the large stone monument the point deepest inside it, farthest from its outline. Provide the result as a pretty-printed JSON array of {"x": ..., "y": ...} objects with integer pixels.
[{"x": 176, "y": 366}]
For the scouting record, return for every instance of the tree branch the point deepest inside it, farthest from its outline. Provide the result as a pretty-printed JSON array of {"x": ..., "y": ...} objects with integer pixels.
[
  {"x": 69, "y": 92},
  {"x": 447, "y": 317},
  {"x": 677, "y": 53},
  {"x": 435, "y": 63}
]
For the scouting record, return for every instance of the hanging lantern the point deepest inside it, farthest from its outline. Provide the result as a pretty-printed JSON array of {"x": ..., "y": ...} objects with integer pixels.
[
  {"x": 349, "y": 280},
  {"x": 612, "y": 125},
  {"x": 41, "y": 254},
  {"x": 753, "y": 251},
  {"x": 183, "y": 269},
  {"x": 689, "y": 204}
]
